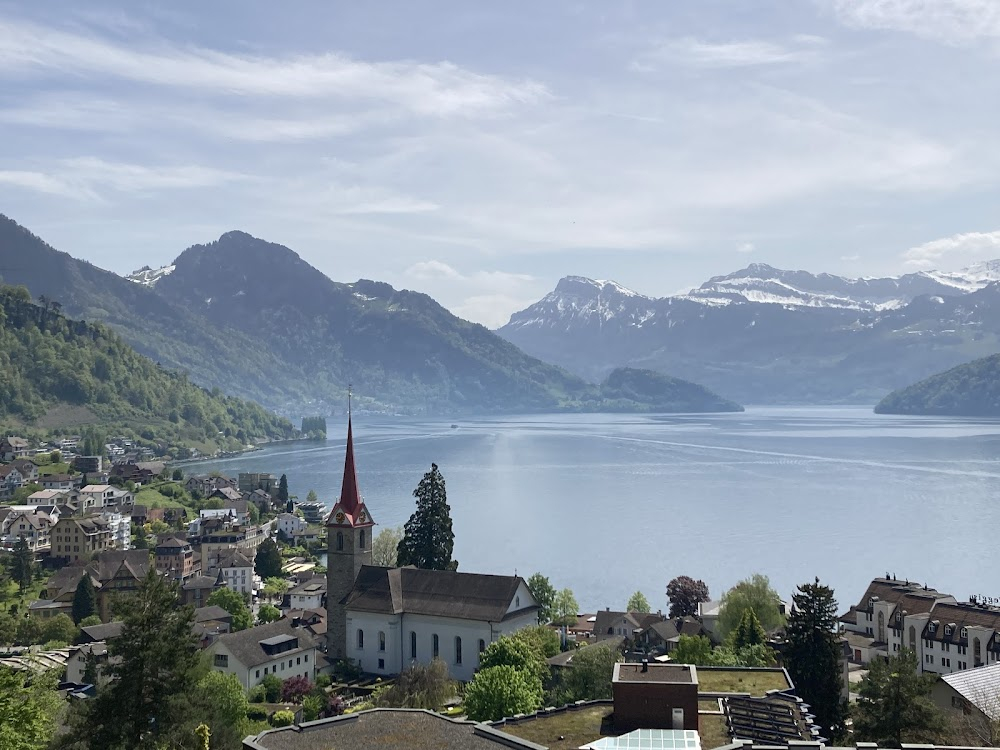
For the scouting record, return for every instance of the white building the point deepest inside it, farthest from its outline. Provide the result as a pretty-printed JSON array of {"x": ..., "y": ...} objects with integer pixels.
[
  {"x": 120, "y": 526},
  {"x": 98, "y": 496},
  {"x": 290, "y": 524},
  {"x": 279, "y": 648},
  {"x": 386, "y": 619},
  {"x": 310, "y": 594},
  {"x": 28, "y": 523},
  {"x": 237, "y": 571}
]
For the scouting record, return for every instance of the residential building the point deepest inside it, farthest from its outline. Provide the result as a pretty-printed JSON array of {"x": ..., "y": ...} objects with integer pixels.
[
  {"x": 98, "y": 496},
  {"x": 655, "y": 696},
  {"x": 88, "y": 464},
  {"x": 174, "y": 558},
  {"x": 310, "y": 594},
  {"x": 250, "y": 481},
  {"x": 206, "y": 485},
  {"x": 28, "y": 469},
  {"x": 215, "y": 541},
  {"x": 196, "y": 589},
  {"x": 227, "y": 494},
  {"x": 237, "y": 571},
  {"x": 386, "y": 619},
  {"x": 130, "y": 471},
  {"x": 289, "y": 524},
  {"x": 60, "y": 482},
  {"x": 11, "y": 479},
  {"x": 48, "y": 497},
  {"x": 279, "y": 648},
  {"x": 76, "y": 538},
  {"x": 30, "y": 524},
  {"x": 313, "y": 513},
  {"x": 114, "y": 573},
  {"x": 263, "y": 500},
  {"x": 12, "y": 448},
  {"x": 120, "y": 526},
  {"x": 971, "y": 700}
]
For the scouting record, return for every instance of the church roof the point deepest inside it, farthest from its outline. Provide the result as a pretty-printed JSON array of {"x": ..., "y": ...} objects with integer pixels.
[
  {"x": 350, "y": 508},
  {"x": 440, "y": 593}
]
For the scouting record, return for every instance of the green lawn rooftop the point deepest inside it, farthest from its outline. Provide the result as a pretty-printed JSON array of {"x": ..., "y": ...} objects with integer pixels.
[
  {"x": 755, "y": 682},
  {"x": 575, "y": 727}
]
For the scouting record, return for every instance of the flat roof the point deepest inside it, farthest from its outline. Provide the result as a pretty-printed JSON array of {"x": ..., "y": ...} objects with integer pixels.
[{"x": 681, "y": 674}]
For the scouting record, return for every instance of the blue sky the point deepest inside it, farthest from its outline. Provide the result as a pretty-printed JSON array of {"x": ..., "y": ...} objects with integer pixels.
[{"x": 480, "y": 151}]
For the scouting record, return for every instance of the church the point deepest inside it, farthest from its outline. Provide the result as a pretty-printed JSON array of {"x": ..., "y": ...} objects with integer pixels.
[{"x": 385, "y": 619}]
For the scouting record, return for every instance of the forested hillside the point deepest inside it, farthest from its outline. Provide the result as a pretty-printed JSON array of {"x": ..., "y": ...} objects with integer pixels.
[
  {"x": 657, "y": 392},
  {"x": 56, "y": 372},
  {"x": 969, "y": 390}
]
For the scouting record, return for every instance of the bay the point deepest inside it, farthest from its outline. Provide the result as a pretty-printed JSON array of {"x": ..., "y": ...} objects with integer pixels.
[{"x": 610, "y": 504}]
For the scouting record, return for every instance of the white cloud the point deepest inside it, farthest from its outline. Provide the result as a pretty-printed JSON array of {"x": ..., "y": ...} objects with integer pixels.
[
  {"x": 487, "y": 297},
  {"x": 850, "y": 258},
  {"x": 38, "y": 181},
  {"x": 432, "y": 269},
  {"x": 959, "y": 249},
  {"x": 491, "y": 310},
  {"x": 434, "y": 89},
  {"x": 745, "y": 247},
  {"x": 733, "y": 54},
  {"x": 951, "y": 21}
]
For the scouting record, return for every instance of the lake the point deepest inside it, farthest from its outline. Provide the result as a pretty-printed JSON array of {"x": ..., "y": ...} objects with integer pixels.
[{"x": 608, "y": 504}]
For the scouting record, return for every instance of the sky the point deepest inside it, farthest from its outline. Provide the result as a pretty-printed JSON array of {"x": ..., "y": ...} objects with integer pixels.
[{"x": 480, "y": 151}]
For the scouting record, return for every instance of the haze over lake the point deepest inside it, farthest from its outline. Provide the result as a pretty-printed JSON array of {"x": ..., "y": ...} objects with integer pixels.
[{"x": 607, "y": 504}]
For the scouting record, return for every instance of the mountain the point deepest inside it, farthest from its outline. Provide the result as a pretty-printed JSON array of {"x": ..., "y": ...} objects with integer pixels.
[
  {"x": 969, "y": 390},
  {"x": 764, "y": 335},
  {"x": 147, "y": 276},
  {"x": 660, "y": 393},
  {"x": 61, "y": 373}
]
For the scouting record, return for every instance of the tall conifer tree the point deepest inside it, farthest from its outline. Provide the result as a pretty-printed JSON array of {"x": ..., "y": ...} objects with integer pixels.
[
  {"x": 428, "y": 540},
  {"x": 84, "y": 599}
]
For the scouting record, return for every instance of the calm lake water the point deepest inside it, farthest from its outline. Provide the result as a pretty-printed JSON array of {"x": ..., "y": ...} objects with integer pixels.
[{"x": 607, "y": 504}]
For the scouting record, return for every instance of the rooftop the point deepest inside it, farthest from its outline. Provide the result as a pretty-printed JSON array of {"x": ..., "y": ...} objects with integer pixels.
[
  {"x": 656, "y": 672},
  {"x": 564, "y": 729},
  {"x": 745, "y": 680},
  {"x": 980, "y": 686},
  {"x": 386, "y": 729}
]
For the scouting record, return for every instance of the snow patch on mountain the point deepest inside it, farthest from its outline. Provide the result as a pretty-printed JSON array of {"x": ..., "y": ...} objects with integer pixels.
[{"x": 147, "y": 276}]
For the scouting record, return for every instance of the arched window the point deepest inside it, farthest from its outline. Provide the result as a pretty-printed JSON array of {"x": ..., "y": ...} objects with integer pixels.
[
  {"x": 361, "y": 638},
  {"x": 458, "y": 649},
  {"x": 435, "y": 645},
  {"x": 381, "y": 641},
  {"x": 977, "y": 653},
  {"x": 913, "y": 638},
  {"x": 361, "y": 539},
  {"x": 340, "y": 541},
  {"x": 482, "y": 645},
  {"x": 881, "y": 627},
  {"x": 965, "y": 632},
  {"x": 413, "y": 645}
]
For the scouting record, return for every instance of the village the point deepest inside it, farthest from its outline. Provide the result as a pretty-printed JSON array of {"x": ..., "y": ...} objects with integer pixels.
[{"x": 334, "y": 640}]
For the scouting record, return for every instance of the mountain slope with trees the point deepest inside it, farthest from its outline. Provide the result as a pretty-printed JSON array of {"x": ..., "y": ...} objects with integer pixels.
[
  {"x": 656, "y": 392},
  {"x": 49, "y": 362},
  {"x": 969, "y": 390}
]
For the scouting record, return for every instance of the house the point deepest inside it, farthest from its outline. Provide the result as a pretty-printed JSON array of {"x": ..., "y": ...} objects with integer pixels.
[
  {"x": 289, "y": 524},
  {"x": 174, "y": 558},
  {"x": 48, "y": 497},
  {"x": 12, "y": 448},
  {"x": 130, "y": 471},
  {"x": 98, "y": 496},
  {"x": 114, "y": 573},
  {"x": 237, "y": 571},
  {"x": 31, "y": 525},
  {"x": 227, "y": 494},
  {"x": 28, "y": 469},
  {"x": 386, "y": 619},
  {"x": 205, "y": 486},
  {"x": 120, "y": 526},
  {"x": 279, "y": 648},
  {"x": 60, "y": 482},
  {"x": 76, "y": 538},
  {"x": 196, "y": 589},
  {"x": 80, "y": 656},
  {"x": 261, "y": 499},
  {"x": 971, "y": 699},
  {"x": 250, "y": 481},
  {"x": 665, "y": 635},
  {"x": 88, "y": 464},
  {"x": 310, "y": 594},
  {"x": 313, "y": 513},
  {"x": 11, "y": 479}
]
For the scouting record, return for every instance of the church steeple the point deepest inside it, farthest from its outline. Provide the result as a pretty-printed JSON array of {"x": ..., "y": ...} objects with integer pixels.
[{"x": 350, "y": 509}]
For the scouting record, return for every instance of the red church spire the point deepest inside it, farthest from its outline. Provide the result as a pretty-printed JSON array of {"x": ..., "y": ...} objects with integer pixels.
[{"x": 350, "y": 497}]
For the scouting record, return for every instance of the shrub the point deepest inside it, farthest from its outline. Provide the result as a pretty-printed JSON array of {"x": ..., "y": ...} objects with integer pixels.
[
  {"x": 282, "y": 719},
  {"x": 257, "y": 713},
  {"x": 294, "y": 689},
  {"x": 272, "y": 688},
  {"x": 257, "y": 695}
]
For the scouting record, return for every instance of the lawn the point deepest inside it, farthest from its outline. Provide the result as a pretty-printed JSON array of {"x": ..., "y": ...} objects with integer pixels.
[
  {"x": 713, "y": 731},
  {"x": 153, "y": 498},
  {"x": 45, "y": 469},
  {"x": 575, "y": 727},
  {"x": 753, "y": 681}
]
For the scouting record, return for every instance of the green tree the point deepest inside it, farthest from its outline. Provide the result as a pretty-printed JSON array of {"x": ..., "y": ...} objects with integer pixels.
[
  {"x": 894, "y": 704},
  {"x": 312, "y": 497},
  {"x": 8, "y": 628},
  {"x": 693, "y": 649},
  {"x": 275, "y": 587},
  {"x": 29, "y": 631},
  {"x": 428, "y": 539},
  {"x": 637, "y": 603},
  {"x": 221, "y": 703},
  {"x": 544, "y": 594},
  {"x": 84, "y": 599},
  {"x": 59, "y": 629},
  {"x": 87, "y": 622},
  {"x": 267, "y": 613},
  {"x": 749, "y": 632},
  {"x": 523, "y": 653},
  {"x": 29, "y": 706},
  {"x": 272, "y": 688},
  {"x": 544, "y": 638},
  {"x": 685, "y": 594},
  {"x": 234, "y": 603},
  {"x": 283, "y": 498},
  {"x": 752, "y": 593},
  {"x": 419, "y": 686},
  {"x": 501, "y": 691},
  {"x": 565, "y": 608},
  {"x": 55, "y": 457},
  {"x": 268, "y": 561},
  {"x": 589, "y": 678},
  {"x": 22, "y": 566},
  {"x": 386, "y": 546},
  {"x": 154, "y": 669},
  {"x": 178, "y": 475},
  {"x": 812, "y": 654}
]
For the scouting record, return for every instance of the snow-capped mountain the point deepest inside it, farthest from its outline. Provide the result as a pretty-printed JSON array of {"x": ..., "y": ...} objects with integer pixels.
[
  {"x": 149, "y": 276},
  {"x": 765, "y": 334}
]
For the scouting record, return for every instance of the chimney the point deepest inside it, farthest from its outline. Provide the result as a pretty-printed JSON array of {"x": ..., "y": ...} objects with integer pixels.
[
  {"x": 296, "y": 622},
  {"x": 645, "y": 665}
]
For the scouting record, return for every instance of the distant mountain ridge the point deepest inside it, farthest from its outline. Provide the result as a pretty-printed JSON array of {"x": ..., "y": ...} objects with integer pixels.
[
  {"x": 969, "y": 390},
  {"x": 765, "y": 335}
]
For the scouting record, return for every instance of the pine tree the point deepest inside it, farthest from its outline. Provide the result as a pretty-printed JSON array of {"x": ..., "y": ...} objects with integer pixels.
[
  {"x": 23, "y": 564},
  {"x": 749, "y": 632},
  {"x": 894, "y": 704},
  {"x": 153, "y": 668},
  {"x": 812, "y": 655},
  {"x": 283, "y": 498},
  {"x": 428, "y": 540},
  {"x": 84, "y": 599}
]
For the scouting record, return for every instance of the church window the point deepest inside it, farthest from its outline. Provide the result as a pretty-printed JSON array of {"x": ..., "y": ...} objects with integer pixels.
[
  {"x": 413, "y": 645},
  {"x": 482, "y": 645},
  {"x": 435, "y": 645},
  {"x": 381, "y": 641},
  {"x": 517, "y": 601},
  {"x": 340, "y": 541},
  {"x": 361, "y": 537},
  {"x": 361, "y": 638},
  {"x": 458, "y": 649}
]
